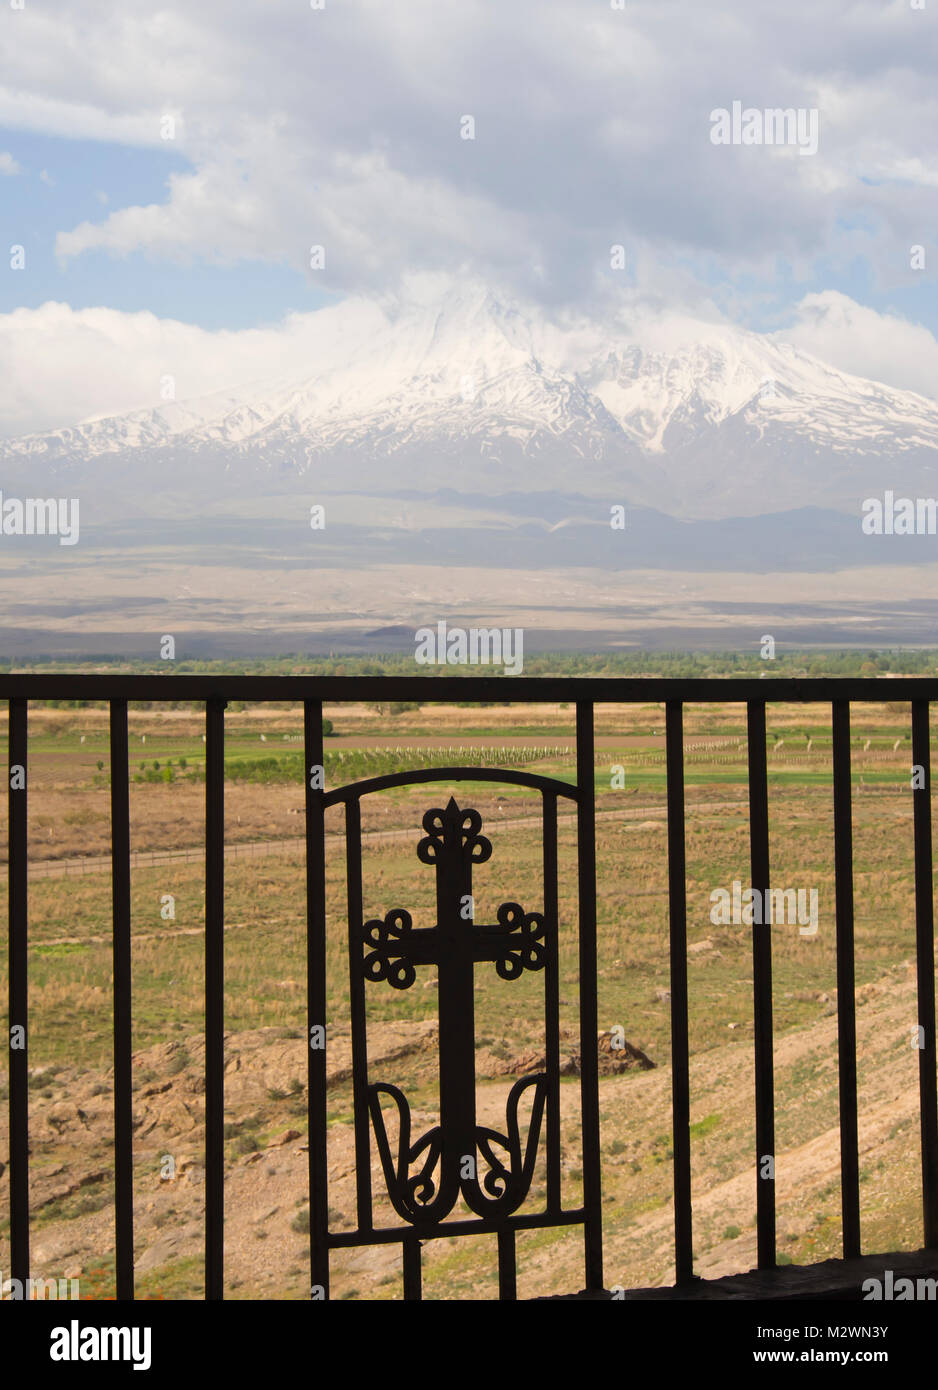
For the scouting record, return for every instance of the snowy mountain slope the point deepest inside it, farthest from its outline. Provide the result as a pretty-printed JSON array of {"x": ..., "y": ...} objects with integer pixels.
[{"x": 694, "y": 419}]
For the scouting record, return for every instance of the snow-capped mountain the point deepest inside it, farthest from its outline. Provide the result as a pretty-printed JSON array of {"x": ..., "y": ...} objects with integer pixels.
[{"x": 479, "y": 394}]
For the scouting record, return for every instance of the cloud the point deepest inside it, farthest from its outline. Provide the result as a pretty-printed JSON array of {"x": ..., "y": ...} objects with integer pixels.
[
  {"x": 70, "y": 120},
  {"x": 857, "y": 339},
  {"x": 61, "y": 365},
  {"x": 8, "y": 164},
  {"x": 342, "y": 127}
]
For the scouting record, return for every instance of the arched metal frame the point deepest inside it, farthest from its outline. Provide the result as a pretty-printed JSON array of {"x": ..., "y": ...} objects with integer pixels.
[{"x": 489, "y": 1170}]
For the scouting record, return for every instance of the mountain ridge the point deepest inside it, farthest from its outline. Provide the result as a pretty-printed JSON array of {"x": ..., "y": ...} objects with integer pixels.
[{"x": 700, "y": 420}]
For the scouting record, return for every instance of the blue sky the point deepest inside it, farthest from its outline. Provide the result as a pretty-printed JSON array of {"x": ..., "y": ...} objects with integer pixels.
[
  {"x": 345, "y": 127},
  {"x": 85, "y": 179}
]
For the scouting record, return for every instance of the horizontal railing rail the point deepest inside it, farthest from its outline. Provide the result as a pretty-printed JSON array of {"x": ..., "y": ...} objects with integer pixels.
[
  {"x": 453, "y": 689},
  {"x": 582, "y": 695}
]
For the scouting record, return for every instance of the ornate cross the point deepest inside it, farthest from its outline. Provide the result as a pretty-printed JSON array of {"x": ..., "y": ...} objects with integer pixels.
[{"x": 515, "y": 943}]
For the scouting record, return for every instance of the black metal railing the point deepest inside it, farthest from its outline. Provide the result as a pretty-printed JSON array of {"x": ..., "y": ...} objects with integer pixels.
[{"x": 386, "y": 952}]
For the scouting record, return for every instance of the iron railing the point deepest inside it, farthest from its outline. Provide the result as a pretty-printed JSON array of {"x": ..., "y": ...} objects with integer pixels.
[{"x": 385, "y": 952}]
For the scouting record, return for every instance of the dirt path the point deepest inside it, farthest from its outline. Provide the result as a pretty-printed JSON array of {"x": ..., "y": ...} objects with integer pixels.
[{"x": 251, "y": 849}]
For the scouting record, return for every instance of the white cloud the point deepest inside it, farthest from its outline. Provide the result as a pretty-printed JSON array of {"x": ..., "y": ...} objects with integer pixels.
[
  {"x": 857, "y": 339},
  {"x": 76, "y": 120},
  {"x": 341, "y": 127},
  {"x": 8, "y": 164},
  {"x": 61, "y": 365}
]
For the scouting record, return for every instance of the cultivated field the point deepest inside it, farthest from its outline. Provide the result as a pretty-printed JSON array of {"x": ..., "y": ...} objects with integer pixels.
[{"x": 71, "y": 1012}]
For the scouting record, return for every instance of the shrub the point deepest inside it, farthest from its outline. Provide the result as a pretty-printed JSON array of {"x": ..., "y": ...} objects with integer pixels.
[{"x": 177, "y": 1063}]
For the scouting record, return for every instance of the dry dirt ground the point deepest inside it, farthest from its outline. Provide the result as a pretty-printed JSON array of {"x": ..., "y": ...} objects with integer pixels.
[
  {"x": 167, "y": 818},
  {"x": 290, "y": 601},
  {"x": 266, "y": 1160}
]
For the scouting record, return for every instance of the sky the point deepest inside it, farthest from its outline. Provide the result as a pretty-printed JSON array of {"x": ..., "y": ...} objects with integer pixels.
[{"x": 168, "y": 173}]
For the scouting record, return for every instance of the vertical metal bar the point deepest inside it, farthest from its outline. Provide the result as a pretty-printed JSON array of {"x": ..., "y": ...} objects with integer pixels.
[
  {"x": 19, "y": 997},
  {"x": 552, "y": 1001},
  {"x": 353, "y": 878},
  {"x": 316, "y": 999},
  {"x": 925, "y": 968},
  {"x": 413, "y": 1284},
  {"x": 680, "y": 1041},
  {"x": 214, "y": 997},
  {"x": 762, "y": 986},
  {"x": 589, "y": 1016},
  {"x": 846, "y": 983},
  {"x": 123, "y": 1025},
  {"x": 455, "y": 1006},
  {"x": 507, "y": 1266}
]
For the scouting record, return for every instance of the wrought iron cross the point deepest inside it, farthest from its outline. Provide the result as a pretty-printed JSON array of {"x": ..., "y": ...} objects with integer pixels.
[{"x": 515, "y": 943}]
